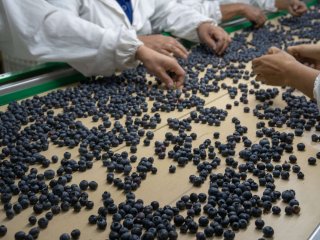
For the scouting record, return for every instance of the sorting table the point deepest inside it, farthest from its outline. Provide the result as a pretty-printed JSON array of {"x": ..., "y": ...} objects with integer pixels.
[{"x": 168, "y": 188}]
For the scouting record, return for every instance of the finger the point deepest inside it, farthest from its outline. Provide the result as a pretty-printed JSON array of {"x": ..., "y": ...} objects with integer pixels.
[
  {"x": 163, "y": 75},
  {"x": 220, "y": 44},
  {"x": 225, "y": 46},
  {"x": 179, "y": 74},
  {"x": 273, "y": 50},
  {"x": 182, "y": 48},
  {"x": 177, "y": 52},
  {"x": 179, "y": 80},
  {"x": 210, "y": 42},
  {"x": 260, "y": 78},
  {"x": 292, "y": 12},
  {"x": 301, "y": 9},
  {"x": 256, "y": 62},
  {"x": 165, "y": 52},
  {"x": 260, "y": 21}
]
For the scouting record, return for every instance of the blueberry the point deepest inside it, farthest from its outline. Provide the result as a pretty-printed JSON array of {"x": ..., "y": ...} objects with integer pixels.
[
  {"x": 67, "y": 155},
  {"x": 301, "y": 146},
  {"x": 32, "y": 220},
  {"x": 300, "y": 175},
  {"x": 162, "y": 234},
  {"x": 200, "y": 236},
  {"x": 172, "y": 169},
  {"x": 65, "y": 236},
  {"x": 43, "y": 223},
  {"x": 288, "y": 210},
  {"x": 149, "y": 135},
  {"x": 276, "y": 210},
  {"x": 209, "y": 231},
  {"x": 285, "y": 175},
  {"x": 203, "y": 221},
  {"x": 49, "y": 215},
  {"x": 295, "y": 168},
  {"x": 3, "y": 230},
  {"x": 84, "y": 185},
  {"x": 229, "y": 235},
  {"x": 312, "y": 161},
  {"x": 296, "y": 209},
  {"x": 268, "y": 232},
  {"x": 49, "y": 174},
  {"x": 93, "y": 185},
  {"x": 34, "y": 232},
  {"x": 101, "y": 223},
  {"x": 54, "y": 159},
  {"x": 75, "y": 234},
  {"x": 288, "y": 195},
  {"x": 19, "y": 235},
  {"x": 259, "y": 223}
]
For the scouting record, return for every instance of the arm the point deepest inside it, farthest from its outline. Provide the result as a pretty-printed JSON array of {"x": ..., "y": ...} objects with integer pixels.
[
  {"x": 187, "y": 23},
  {"x": 52, "y": 34},
  {"x": 278, "y": 68},
  {"x": 303, "y": 78},
  {"x": 250, "y": 12},
  {"x": 232, "y": 10}
]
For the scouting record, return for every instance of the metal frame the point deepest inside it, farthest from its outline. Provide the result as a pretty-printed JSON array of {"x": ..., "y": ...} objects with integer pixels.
[{"x": 316, "y": 234}]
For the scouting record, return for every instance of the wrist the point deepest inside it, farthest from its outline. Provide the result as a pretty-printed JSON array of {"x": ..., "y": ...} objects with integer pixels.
[
  {"x": 203, "y": 24},
  {"x": 292, "y": 70},
  {"x": 141, "y": 53},
  {"x": 242, "y": 9},
  {"x": 299, "y": 74}
]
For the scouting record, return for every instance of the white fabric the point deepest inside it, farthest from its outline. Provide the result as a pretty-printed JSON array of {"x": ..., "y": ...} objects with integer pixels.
[
  {"x": 316, "y": 90},
  {"x": 206, "y": 7},
  {"x": 211, "y": 8},
  {"x": 100, "y": 42},
  {"x": 267, "y": 5}
]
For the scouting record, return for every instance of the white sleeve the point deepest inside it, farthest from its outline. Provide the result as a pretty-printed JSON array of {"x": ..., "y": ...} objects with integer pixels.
[
  {"x": 179, "y": 20},
  {"x": 208, "y": 8},
  {"x": 267, "y": 5},
  {"x": 316, "y": 90},
  {"x": 53, "y": 34}
]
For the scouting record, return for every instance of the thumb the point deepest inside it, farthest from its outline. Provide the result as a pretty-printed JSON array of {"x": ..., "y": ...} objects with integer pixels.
[
  {"x": 273, "y": 50},
  {"x": 209, "y": 41},
  {"x": 293, "y": 51},
  {"x": 164, "y": 76},
  {"x": 179, "y": 75}
]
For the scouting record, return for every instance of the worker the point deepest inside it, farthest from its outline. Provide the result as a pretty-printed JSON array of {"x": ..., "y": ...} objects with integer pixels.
[
  {"x": 298, "y": 68},
  {"x": 253, "y": 10},
  {"x": 104, "y": 38},
  {"x": 148, "y": 19}
]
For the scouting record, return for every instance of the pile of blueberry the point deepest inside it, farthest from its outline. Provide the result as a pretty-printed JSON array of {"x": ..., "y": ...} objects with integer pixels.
[{"x": 126, "y": 109}]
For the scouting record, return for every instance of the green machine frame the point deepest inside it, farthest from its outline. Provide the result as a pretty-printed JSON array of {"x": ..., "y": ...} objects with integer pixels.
[{"x": 43, "y": 77}]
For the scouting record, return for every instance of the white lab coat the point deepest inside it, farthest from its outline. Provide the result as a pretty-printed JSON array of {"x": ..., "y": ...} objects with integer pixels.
[
  {"x": 100, "y": 41},
  {"x": 316, "y": 90},
  {"x": 211, "y": 8}
]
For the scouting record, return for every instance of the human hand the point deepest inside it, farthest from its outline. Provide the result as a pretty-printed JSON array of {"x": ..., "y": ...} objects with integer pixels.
[
  {"x": 164, "y": 44},
  {"x": 254, "y": 14},
  {"x": 308, "y": 54},
  {"x": 215, "y": 37},
  {"x": 159, "y": 65},
  {"x": 276, "y": 68},
  {"x": 297, "y": 7}
]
